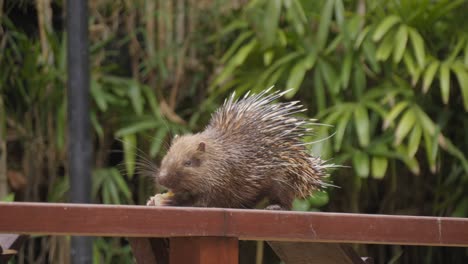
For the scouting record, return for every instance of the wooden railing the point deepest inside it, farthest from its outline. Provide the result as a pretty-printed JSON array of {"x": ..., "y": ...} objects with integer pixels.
[{"x": 203, "y": 234}]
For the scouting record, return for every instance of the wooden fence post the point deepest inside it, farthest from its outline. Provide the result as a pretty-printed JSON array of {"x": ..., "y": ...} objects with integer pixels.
[{"x": 206, "y": 250}]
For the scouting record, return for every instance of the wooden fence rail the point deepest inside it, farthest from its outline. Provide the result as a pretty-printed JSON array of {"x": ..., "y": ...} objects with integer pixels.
[{"x": 211, "y": 228}]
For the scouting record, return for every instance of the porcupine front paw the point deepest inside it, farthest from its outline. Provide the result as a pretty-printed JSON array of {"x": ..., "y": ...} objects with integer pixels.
[
  {"x": 160, "y": 199},
  {"x": 274, "y": 207}
]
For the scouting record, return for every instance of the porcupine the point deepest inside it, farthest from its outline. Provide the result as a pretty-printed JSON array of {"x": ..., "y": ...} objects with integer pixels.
[{"x": 250, "y": 150}]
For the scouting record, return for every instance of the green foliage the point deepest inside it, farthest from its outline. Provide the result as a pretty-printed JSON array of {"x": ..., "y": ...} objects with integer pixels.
[{"x": 369, "y": 75}]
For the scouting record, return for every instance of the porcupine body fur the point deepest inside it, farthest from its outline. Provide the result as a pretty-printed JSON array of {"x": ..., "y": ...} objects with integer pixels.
[{"x": 251, "y": 149}]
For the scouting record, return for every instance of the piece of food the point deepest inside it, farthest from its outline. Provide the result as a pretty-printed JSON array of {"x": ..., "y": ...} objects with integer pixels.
[{"x": 160, "y": 199}]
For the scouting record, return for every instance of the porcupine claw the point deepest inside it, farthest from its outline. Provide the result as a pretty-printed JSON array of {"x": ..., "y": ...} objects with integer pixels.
[{"x": 160, "y": 199}]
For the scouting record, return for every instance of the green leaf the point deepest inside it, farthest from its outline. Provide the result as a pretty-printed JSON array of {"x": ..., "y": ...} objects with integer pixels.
[
  {"x": 361, "y": 118},
  {"x": 411, "y": 163},
  {"x": 341, "y": 127},
  {"x": 409, "y": 62},
  {"x": 98, "y": 95},
  {"x": 235, "y": 46},
  {"x": 429, "y": 75},
  {"x": 270, "y": 22},
  {"x": 379, "y": 167},
  {"x": 465, "y": 60},
  {"x": 296, "y": 76},
  {"x": 329, "y": 75},
  {"x": 385, "y": 48},
  {"x": 243, "y": 52},
  {"x": 268, "y": 57},
  {"x": 300, "y": 205},
  {"x": 324, "y": 24},
  {"x": 462, "y": 77},
  {"x": 319, "y": 90},
  {"x": 418, "y": 46},
  {"x": 425, "y": 121},
  {"x": 396, "y": 110},
  {"x": 361, "y": 164},
  {"x": 134, "y": 93},
  {"x": 414, "y": 140},
  {"x": 369, "y": 50},
  {"x": 123, "y": 187},
  {"x": 346, "y": 69},
  {"x": 136, "y": 127},
  {"x": 406, "y": 123},
  {"x": 384, "y": 26},
  {"x": 129, "y": 148},
  {"x": 158, "y": 139},
  {"x": 444, "y": 78},
  {"x": 96, "y": 125},
  {"x": 297, "y": 15},
  {"x": 319, "y": 199},
  {"x": 401, "y": 38},
  {"x": 361, "y": 37}
]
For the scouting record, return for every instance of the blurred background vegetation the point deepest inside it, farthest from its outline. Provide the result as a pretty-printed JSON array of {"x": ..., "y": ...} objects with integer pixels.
[{"x": 390, "y": 77}]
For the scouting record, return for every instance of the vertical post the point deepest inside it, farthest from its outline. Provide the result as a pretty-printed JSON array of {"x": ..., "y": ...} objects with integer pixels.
[
  {"x": 79, "y": 140},
  {"x": 203, "y": 250}
]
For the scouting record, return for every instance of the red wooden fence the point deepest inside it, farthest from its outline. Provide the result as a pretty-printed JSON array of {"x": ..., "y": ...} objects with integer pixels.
[{"x": 229, "y": 225}]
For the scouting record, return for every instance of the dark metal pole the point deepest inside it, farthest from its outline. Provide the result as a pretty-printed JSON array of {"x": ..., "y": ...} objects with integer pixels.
[{"x": 79, "y": 138}]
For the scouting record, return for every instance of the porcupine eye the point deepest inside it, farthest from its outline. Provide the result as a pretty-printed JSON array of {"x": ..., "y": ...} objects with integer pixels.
[{"x": 193, "y": 162}]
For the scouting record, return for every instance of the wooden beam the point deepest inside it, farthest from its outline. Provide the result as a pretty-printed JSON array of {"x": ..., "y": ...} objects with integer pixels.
[
  {"x": 324, "y": 253},
  {"x": 150, "y": 250},
  {"x": 204, "y": 250},
  {"x": 143, "y": 221}
]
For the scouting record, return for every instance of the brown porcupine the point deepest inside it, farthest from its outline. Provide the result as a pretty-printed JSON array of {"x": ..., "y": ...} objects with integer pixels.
[{"x": 250, "y": 150}]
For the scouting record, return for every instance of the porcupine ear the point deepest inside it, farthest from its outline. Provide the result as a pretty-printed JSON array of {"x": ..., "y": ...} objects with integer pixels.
[{"x": 201, "y": 146}]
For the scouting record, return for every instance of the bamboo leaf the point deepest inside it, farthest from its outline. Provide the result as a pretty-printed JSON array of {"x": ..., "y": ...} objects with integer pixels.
[
  {"x": 425, "y": 121},
  {"x": 414, "y": 140},
  {"x": 385, "y": 48},
  {"x": 444, "y": 77},
  {"x": 396, "y": 110},
  {"x": 462, "y": 77},
  {"x": 341, "y": 128},
  {"x": 296, "y": 76},
  {"x": 136, "y": 98},
  {"x": 123, "y": 187},
  {"x": 465, "y": 60},
  {"x": 431, "y": 149},
  {"x": 243, "y": 52},
  {"x": 385, "y": 26},
  {"x": 319, "y": 90},
  {"x": 235, "y": 46},
  {"x": 379, "y": 167},
  {"x": 411, "y": 163},
  {"x": 406, "y": 123},
  {"x": 129, "y": 148},
  {"x": 429, "y": 75},
  {"x": 410, "y": 65},
  {"x": 361, "y": 37},
  {"x": 329, "y": 75},
  {"x": 361, "y": 118},
  {"x": 401, "y": 38},
  {"x": 270, "y": 22},
  {"x": 136, "y": 127},
  {"x": 158, "y": 140},
  {"x": 418, "y": 46},
  {"x": 98, "y": 95},
  {"x": 346, "y": 69},
  {"x": 324, "y": 24},
  {"x": 361, "y": 164}
]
